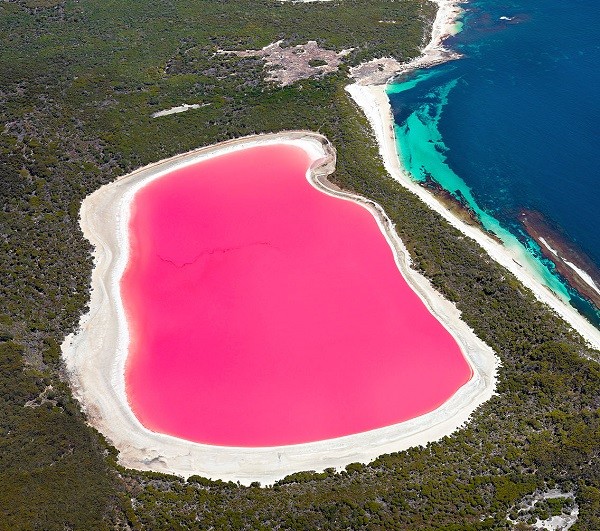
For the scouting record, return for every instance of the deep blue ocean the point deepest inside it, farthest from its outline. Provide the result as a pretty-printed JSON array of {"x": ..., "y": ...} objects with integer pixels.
[{"x": 514, "y": 123}]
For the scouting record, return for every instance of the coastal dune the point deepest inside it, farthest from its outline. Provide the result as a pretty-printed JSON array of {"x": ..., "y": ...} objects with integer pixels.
[{"x": 95, "y": 356}]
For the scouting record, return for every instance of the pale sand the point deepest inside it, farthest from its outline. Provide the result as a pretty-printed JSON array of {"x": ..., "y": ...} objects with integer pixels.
[
  {"x": 95, "y": 356},
  {"x": 371, "y": 97},
  {"x": 181, "y": 108}
]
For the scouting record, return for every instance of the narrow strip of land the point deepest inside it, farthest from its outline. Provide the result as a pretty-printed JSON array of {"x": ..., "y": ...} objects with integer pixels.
[{"x": 369, "y": 93}]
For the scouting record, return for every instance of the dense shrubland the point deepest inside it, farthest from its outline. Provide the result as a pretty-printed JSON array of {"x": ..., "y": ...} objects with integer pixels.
[{"x": 79, "y": 82}]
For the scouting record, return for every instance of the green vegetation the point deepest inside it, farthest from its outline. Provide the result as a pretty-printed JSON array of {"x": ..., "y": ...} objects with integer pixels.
[
  {"x": 53, "y": 470},
  {"x": 79, "y": 81}
]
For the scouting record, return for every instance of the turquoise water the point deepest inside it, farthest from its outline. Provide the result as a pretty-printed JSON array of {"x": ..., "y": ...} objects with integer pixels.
[{"x": 514, "y": 124}]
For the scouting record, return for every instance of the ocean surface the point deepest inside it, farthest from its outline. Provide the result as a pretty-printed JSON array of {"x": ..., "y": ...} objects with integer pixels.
[{"x": 515, "y": 123}]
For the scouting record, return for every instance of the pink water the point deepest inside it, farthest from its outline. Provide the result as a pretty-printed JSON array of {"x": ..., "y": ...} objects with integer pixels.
[{"x": 265, "y": 312}]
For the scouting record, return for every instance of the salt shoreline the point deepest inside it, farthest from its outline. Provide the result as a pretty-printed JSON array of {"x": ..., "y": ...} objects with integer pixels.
[
  {"x": 95, "y": 356},
  {"x": 370, "y": 95}
]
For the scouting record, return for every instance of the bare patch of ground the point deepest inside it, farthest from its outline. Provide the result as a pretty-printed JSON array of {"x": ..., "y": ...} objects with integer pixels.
[
  {"x": 47, "y": 395},
  {"x": 552, "y": 510},
  {"x": 376, "y": 72},
  {"x": 181, "y": 108},
  {"x": 287, "y": 65}
]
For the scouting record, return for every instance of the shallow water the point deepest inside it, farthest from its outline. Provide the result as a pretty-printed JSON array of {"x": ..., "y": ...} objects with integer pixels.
[
  {"x": 265, "y": 312},
  {"x": 514, "y": 124}
]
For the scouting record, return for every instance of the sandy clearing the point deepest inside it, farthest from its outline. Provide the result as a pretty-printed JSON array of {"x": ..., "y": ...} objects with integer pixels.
[
  {"x": 181, "y": 108},
  {"x": 286, "y": 65},
  {"x": 95, "y": 355}
]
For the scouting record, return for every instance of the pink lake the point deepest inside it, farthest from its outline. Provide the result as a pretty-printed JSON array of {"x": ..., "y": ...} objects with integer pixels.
[{"x": 264, "y": 312}]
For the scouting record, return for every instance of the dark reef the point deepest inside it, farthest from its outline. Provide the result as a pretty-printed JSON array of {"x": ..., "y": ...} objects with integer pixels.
[
  {"x": 455, "y": 202},
  {"x": 541, "y": 230}
]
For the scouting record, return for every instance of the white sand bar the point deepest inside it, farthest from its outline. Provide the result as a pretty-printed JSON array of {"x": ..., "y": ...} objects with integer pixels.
[{"x": 95, "y": 356}]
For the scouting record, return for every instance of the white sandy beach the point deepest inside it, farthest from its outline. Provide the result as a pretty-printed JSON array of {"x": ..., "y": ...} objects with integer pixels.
[
  {"x": 95, "y": 356},
  {"x": 370, "y": 95}
]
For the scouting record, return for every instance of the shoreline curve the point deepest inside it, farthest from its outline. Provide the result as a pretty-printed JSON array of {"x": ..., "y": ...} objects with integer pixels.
[
  {"x": 95, "y": 355},
  {"x": 370, "y": 96}
]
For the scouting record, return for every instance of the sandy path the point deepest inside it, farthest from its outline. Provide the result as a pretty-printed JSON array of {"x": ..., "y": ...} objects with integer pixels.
[{"x": 95, "y": 356}]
